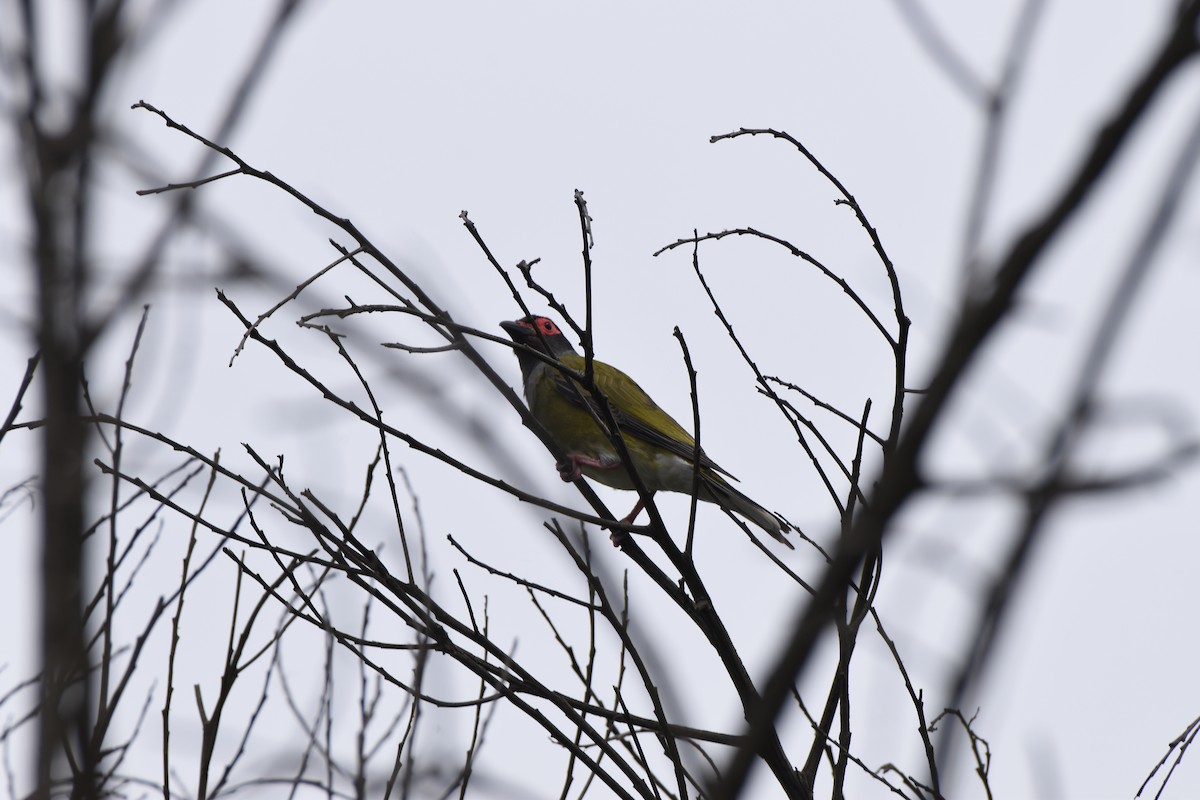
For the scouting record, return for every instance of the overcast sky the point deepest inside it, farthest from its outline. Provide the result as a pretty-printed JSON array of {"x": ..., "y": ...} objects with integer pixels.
[{"x": 400, "y": 116}]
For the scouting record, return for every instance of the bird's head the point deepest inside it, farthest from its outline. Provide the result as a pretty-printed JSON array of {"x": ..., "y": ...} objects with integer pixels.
[{"x": 539, "y": 333}]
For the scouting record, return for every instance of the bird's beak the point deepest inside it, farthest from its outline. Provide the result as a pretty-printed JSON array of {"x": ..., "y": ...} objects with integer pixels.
[{"x": 515, "y": 330}]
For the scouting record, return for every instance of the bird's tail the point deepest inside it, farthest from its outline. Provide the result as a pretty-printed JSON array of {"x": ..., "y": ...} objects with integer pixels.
[{"x": 715, "y": 490}]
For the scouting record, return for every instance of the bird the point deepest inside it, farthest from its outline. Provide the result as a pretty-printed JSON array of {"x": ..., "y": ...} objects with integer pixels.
[{"x": 662, "y": 451}]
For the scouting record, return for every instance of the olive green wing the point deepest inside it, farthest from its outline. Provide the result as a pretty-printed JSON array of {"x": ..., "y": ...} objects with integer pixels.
[{"x": 635, "y": 411}]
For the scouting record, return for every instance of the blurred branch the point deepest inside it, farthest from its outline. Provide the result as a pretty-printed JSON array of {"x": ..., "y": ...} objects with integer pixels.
[
  {"x": 1054, "y": 484},
  {"x": 901, "y": 477},
  {"x": 57, "y": 113},
  {"x": 996, "y": 109},
  {"x": 57, "y": 141},
  {"x": 148, "y": 265},
  {"x": 953, "y": 65}
]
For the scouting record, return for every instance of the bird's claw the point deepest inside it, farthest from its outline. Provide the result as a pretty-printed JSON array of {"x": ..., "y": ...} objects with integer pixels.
[{"x": 569, "y": 470}]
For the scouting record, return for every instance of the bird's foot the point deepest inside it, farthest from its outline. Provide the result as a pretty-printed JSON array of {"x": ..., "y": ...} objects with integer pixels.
[{"x": 570, "y": 469}]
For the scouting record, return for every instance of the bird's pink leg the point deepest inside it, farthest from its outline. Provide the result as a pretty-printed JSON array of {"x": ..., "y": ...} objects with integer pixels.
[
  {"x": 619, "y": 537},
  {"x": 570, "y": 468},
  {"x": 632, "y": 515}
]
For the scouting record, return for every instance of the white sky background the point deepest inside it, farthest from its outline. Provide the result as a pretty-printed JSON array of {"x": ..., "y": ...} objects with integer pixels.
[{"x": 399, "y": 116}]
